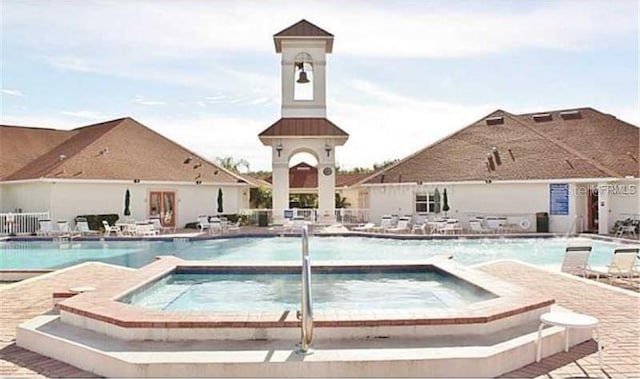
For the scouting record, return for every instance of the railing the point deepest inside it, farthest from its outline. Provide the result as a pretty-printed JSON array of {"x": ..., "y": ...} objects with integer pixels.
[
  {"x": 21, "y": 223},
  {"x": 352, "y": 215},
  {"x": 306, "y": 314}
]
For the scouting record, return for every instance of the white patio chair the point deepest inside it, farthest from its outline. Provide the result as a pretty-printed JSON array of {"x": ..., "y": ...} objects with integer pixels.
[
  {"x": 82, "y": 227},
  {"x": 576, "y": 260},
  {"x": 63, "y": 228},
  {"x": 145, "y": 229},
  {"x": 402, "y": 227},
  {"x": 451, "y": 226},
  {"x": 46, "y": 228},
  {"x": 108, "y": 229},
  {"x": 385, "y": 223},
  {"x": 203, "y": 222},
  {"x": 422, "y": 227},
  {"x": 624, "y": 264},
  {"x": 157, "y": 226},
  {"x": 369, "y": 226},
  {"x": 476, "y": 227}
]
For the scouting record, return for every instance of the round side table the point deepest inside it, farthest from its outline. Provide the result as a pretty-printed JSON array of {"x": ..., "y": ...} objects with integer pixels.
[{"x": 568, "y": 320}]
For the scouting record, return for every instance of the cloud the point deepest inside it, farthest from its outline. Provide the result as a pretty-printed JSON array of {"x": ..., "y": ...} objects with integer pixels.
[
  {"x": 12, "y": 92},
  {"x": 84, "y": 114},
  {"x": 372, "y": 29},
  {"x": 144, "y": 101}
]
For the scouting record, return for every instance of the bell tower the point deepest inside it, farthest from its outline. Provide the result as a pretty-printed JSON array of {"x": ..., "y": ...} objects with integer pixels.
[
  {"x": 304, "y": 47},
  {"x": 303, "y": 126}
]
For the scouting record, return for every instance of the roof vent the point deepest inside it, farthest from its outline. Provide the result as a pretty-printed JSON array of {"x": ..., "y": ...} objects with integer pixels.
[
  {"x": 542, "y": 117},
  {"x": 571, "y": 115},
  {"x": 62, "y": 157},
  {"x": 495, "y": 120}
]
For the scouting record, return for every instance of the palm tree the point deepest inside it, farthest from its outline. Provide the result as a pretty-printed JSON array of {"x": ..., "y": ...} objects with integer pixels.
[
  {"x": 341, "y": 202},
  {"x": 230, "y": 163}
]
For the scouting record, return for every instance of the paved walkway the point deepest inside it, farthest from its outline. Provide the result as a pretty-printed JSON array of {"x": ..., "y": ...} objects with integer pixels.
[
  {"x": 25, "y": 300},
  {"x": 617, "y": 310}
]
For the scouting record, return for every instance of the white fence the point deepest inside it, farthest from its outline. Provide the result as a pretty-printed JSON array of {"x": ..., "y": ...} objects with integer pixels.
[{"x": 21, "y": 223}]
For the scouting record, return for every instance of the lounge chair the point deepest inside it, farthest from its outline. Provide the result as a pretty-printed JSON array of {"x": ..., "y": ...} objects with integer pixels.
[
  {"x": 82, "y": 227},
  {"x": 108, "y": 229},
  {"x": 623, "y": 264},
  {"x": 451, "y": 226},
  {"x": 45, "y": 228},
  {"x": 63, "y": 228},
  {"x": 228, "y": 226},
  {"x": 368, "y": 227},
  {"x": 385, "y": 223},
  {"x": 215, "y": 226},
  {"x": 576, "y": 260},
  {"x": 402, "y": 227},
  {"x": 157, "y": 226},
  {"x": 420, "y": 227},
  {"x": 476, "y": 227},
  {"x": 145, "y": 229}
]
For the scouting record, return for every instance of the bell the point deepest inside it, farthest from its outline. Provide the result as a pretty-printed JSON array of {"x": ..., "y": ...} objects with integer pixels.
[{"x": 303, "y": 78}]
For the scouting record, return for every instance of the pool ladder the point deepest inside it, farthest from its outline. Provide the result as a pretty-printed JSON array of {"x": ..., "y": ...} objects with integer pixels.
[{"x": 306, "y": 314}]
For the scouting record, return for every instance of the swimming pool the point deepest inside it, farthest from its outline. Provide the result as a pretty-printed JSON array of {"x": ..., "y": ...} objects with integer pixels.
[
  {"x": 331, "y": 291},
  {"x": 48, "y": 255}
]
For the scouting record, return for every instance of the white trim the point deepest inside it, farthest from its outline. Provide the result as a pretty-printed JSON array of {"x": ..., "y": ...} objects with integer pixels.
[
  {"x": 121, "y": 181},
  {"x": 532, "y": 181}
]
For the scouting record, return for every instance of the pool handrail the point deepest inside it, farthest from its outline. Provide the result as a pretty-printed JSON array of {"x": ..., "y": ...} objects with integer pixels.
[{"x": 306, "y": 315}]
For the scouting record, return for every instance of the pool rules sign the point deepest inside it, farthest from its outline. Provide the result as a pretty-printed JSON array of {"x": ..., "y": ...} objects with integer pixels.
[{"x": 559, "y": 199}]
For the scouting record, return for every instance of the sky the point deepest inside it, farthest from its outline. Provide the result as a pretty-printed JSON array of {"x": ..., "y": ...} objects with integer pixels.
[{"x": 403, "y": 74}]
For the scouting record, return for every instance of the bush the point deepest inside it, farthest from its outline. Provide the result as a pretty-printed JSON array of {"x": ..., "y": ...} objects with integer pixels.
[{"x": 95, "y": 221}]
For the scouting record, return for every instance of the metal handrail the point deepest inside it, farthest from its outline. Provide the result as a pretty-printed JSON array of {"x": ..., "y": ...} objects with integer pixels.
[{"x": 306, "y": 315}]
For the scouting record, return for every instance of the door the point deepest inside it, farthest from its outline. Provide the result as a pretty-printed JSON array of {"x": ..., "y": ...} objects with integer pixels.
[
  {"x": 163, "y": 205},
  {"x": 592, "y": 209}
]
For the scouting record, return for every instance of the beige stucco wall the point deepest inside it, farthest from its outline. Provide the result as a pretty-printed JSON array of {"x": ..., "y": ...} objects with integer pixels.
[
  {"x": 67, "y": 200},
  {"x": 30, "y": 197},
  {"x": 501, "y": 199}
]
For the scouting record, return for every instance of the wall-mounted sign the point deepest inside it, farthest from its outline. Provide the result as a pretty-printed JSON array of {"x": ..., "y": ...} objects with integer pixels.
[{"x": 559, "y": 199}]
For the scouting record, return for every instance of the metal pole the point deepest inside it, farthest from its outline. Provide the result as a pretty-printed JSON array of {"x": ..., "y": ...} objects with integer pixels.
[{"x": 306, "y": 315}]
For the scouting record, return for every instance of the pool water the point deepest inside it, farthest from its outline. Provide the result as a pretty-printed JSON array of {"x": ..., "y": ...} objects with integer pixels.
[
  {"x": 48, "y": 255},
  {"x": 331, "y": 291}
]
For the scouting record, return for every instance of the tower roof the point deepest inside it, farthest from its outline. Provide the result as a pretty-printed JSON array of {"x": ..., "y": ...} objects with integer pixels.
[
  {"x": 303, "y": 126},
  {"x": 303, "y": 29}
]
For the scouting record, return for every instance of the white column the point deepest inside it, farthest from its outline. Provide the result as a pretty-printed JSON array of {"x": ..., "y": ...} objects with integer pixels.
[
  {"x": 280, "y": 190},
  {"x": 326, "y": 193},
  {"x": 603, "y": 208}
]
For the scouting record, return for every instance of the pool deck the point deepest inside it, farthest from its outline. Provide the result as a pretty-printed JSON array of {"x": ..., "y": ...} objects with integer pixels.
[{"x": 618, "y": 311}]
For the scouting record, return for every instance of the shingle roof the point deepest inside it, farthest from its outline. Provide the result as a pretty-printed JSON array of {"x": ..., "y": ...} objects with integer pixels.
[
  {"x": 21, "y": 145},
  {"x": 303, "y": 127},
  {"x": 595, "y": 145},
  {"x": 303, "y": 29},
  {"x": 121, "y": 149}
]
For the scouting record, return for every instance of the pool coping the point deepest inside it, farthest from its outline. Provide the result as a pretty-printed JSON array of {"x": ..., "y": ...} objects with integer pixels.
[{"x": 103, "y": 305}]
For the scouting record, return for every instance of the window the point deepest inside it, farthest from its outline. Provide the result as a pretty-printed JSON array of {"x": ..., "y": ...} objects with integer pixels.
[{"x": 425, "y": 203}]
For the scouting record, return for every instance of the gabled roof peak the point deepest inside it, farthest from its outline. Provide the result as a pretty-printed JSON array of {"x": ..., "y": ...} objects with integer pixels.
[{"x": 303, "y": 29}]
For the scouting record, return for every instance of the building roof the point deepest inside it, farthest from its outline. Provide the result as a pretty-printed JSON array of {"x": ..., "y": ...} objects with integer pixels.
[
  {"x": 303, "y": 29},
  {"x": 121, "y": 149},
  {"x": 303, "y": 126},
  {"x": 303, "y": 175},
  {"x": 577, "y": 143}
]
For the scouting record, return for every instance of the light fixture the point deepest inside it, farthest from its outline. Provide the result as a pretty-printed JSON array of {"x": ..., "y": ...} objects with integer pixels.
[
  {"x": 279, "y": 149},
  {"x": 327, "y": 148}
]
